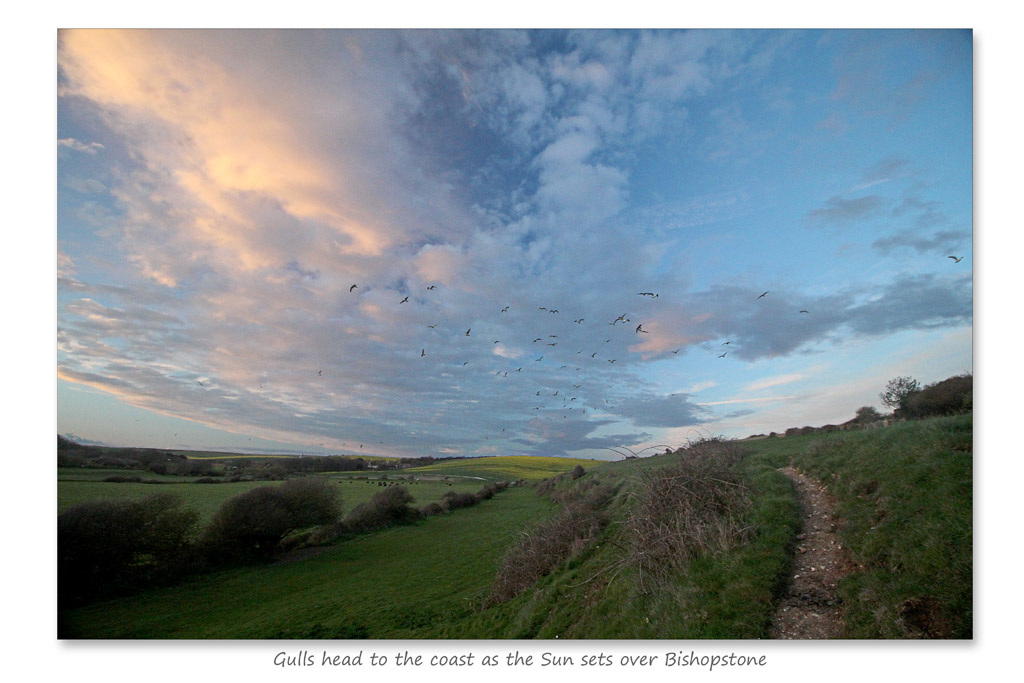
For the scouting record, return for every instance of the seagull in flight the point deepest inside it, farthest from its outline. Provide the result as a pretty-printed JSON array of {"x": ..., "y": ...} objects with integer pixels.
[
  {"x": 762, "y": 296},
  {"x": 640, "y": 328},
  {"x": 724, "y": 354},
  {"x": 352, "y": 287},
  {"x": 432, "y": 287},
  {"x": 650, "y": 294},
  {"x": 504, "y": 310},
  {"x": 403, "y": 300},
  {"x": 803, "y": 311},
  {"x": 467, "y": 331},
  {"x": 955, "y": 259},
  {"x": 423, "y": 352},
  {"x": 724, "y": 343}
]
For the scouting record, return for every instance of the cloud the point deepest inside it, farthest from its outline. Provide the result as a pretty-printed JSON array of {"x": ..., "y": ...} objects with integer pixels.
[
  {"x": 841, "y": 211},
  {"x": 887, "y": 169},
  {"x": 79, "y": 146},
  {"x": 769, "y": 382},
  {"x": 674, "y": 410},
  {"x": 944, "y": 242}
]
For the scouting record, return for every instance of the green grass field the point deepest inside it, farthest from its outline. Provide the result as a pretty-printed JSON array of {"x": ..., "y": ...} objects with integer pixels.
[
  {"x": 405, "y": 582},
  {"x": 905, "y": 497},
  {"x": 207, "y": 498}
]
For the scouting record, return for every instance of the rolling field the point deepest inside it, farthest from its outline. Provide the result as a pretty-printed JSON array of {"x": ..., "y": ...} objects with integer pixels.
[
  {"x": 905, "y": 513},
  {"x": 399, "y": 583},
  {"x": 205, "y": 499},
  {"x": 503, "y": 467}
]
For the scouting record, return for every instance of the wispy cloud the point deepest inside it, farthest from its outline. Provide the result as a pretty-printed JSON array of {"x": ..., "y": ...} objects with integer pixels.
[
  {"x": 469, "y": 184},
  {"x": 79, "y": 146}
]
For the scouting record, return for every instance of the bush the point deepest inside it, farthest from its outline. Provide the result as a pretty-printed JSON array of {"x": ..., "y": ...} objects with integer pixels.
[
  {"x": 454, "y": 500},
  {"x": 948, "y": 397},
  {"x": 390, "y": 506},
  {"x": 577, "y": 471},
  {"x": 692, "y": 509},
  {"x": 107, "y": 548},
  {"x": 544, "y": 549},
  {"x": 252, "y": 524}
]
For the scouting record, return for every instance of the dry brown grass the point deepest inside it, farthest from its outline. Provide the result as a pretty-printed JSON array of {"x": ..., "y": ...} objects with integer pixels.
[{"x": 694, "y": 508}]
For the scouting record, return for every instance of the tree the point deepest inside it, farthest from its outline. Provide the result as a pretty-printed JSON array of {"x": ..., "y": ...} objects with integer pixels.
[
  {"x": 867, "y": 414},
  {"x": 898, "y": 391}
]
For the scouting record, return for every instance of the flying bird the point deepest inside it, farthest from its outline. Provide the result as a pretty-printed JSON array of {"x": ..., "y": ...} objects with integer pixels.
[
  {"x": 762, "y": 296},
  {"x": 467, "y": 331},
  {"x": 724, "y": 343},
  {"x": 423, "y": 352},
  {"x": 650, "y": 294},
  {"x": 403, "y": 300},
  {"x": 639, "y": 329},
  {"x": 955, "y": 259},
  {"x": 432, "y": 326},
  {"x": 676, "y": 351},
  {"x": 538, "y": 339},
  {"x": 352, "y": 287},
  {"x": 802, "y": 311},
  {"x": 432, "y": 287},
  {"x": 504, "y": 310},
  {"x": 724, "y": 354}
]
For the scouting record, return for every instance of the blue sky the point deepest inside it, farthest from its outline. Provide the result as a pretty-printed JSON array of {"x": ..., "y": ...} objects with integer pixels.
[{"x": 219, "y": 193}]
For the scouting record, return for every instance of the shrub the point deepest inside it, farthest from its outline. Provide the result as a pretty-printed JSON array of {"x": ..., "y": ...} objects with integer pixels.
[
  {"x": 544, "y": 549},
  {"x": 948, "y": 397},
  {"x": 577, "y": 471},
  {"x": 252, "y": 524},
  {"x": 390, "y": 506},
  {"x": 106, "y": 548},
  {"x": 431, "y": 509},
  {"x": 683, "y": 512},
  {"x": 454, "y": 500}
]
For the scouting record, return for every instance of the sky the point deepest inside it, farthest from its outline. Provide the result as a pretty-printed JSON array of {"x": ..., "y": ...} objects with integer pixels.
[{"x": 504, "y": 242}]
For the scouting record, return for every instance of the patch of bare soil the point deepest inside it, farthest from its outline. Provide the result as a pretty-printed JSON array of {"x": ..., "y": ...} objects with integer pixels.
[{"x": 811, "y": 608}]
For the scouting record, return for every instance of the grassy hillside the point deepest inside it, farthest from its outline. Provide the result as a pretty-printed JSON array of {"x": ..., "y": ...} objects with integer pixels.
[
  {"x": 392, "y": 584},
  {"x": 672, "y": 546},
  {"x": 906, "y": 496}
]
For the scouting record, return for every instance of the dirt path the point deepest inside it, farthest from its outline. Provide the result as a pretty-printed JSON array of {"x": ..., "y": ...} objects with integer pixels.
[{"x": 811, "y": 609}]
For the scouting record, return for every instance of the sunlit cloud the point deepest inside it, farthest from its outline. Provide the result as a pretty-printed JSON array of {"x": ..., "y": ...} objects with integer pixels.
[{"x": 363, "y": 237}]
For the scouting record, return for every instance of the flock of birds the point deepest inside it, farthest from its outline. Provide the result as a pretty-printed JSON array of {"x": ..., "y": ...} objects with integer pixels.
[
  {"x": 551, "y": 394},
  {"x": 549, "y": 390}
]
